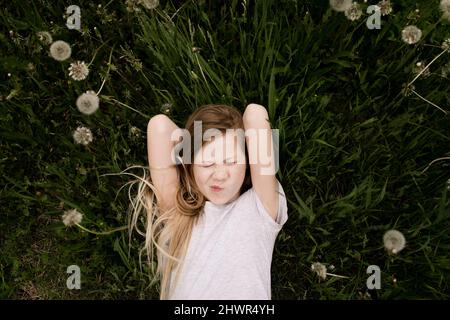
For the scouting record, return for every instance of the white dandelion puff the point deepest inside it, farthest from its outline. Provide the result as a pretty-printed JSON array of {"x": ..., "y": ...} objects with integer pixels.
[
  {"x": 83, "y": 135},
  {"x": 60, "y": 50},
  {"x": 71, "y": 217},
  {"x": 78, "y": 70},
  {"x": 45, "y": 37},
  {"x": 132, "y": 5},
  {"x": 446, "y": 45},
  {"x": 319, "y": 269},
  {"x": 385, "y": 7},
  {"x": 150, "y": 4},
  {"x": 445, "y": 8},
  {"x": 88, "y": 102},
  {"x": 340, "y": 5},
  {"x": 394, "y": 241},
  {"x": 411, "y": 34},
  {"x": 446, "y": 15},
  {"x": 322, "y": 272},
  {"x": 354, "y": 12}
]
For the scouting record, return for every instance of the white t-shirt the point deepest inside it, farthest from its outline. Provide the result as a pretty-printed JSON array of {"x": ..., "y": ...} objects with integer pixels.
[{"x": 229, "y": 256}]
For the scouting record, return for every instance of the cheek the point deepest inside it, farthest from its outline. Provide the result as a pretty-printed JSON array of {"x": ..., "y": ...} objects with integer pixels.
[
  {"x": 200, "y": 175},
  {"x": 239, "y": 171}
]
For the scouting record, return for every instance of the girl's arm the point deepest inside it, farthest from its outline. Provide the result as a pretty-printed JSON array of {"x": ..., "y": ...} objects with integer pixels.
[
  {"x": 257, "y": 129},
  {"x": 162, "y": 170}
]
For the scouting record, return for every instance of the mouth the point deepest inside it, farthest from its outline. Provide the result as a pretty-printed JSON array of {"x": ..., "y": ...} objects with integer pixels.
[{"x": 216, "y": 188}]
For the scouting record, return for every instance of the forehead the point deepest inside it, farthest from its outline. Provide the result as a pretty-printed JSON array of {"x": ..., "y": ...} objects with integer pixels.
[{"x": 222, "y": 147}]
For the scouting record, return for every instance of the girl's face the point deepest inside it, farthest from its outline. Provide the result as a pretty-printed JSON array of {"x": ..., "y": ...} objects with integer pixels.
[{"x": 220, "y": 162}]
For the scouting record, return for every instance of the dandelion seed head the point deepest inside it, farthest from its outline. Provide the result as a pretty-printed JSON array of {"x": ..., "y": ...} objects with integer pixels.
[
  {"x": 354, "y": 12},
  {"x": 83, "y": 135},
  {"x": 71, "y": 217},
  {"x": 340, "y": 5},
  {"x": 44, "y": 37},
  {"x": 78, "y": 70},
  {"x": 411, "y": 34},
  {"x": 88, "y": 102},
  {"x": 385, "y": 7},
  {"x": 60, "y": 50},
  {"x": 149, "y": 4},
  {"x": 132, "y": 5},
  {"x": 445, "y": 7},
  {"x": 394, "y": 241},
  {"x": 319, "y": 269}
]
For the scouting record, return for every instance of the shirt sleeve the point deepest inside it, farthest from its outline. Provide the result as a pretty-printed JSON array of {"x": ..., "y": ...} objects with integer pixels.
[{"x": 282, "y": 215}]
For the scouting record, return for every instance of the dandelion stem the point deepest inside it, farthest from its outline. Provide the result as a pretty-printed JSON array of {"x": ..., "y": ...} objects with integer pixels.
[
  {"x": 107, "y": 71},
  {"x": 446, "y": 112},
  {"x": 426, "y": 67},
  {"x": 438, "y": 159},
  {"x": 102, "y": 233},
  {"x": 125, "y": 105},
  {"x": 179, "y": 10},
  {"x": 96, "y": 51},
  {"x": 336, "y": 275}
]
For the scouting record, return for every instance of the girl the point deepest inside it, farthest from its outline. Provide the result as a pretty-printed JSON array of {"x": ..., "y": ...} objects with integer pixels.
[{"x": 215, "y": 219}]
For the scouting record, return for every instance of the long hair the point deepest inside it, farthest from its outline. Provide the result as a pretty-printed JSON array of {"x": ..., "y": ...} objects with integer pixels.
[{"x": 170, "y": 231}]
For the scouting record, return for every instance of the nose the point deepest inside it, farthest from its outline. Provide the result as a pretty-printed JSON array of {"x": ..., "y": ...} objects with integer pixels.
[{"x": 220, "y": 173}]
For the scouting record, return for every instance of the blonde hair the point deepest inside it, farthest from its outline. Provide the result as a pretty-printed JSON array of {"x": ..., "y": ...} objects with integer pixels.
[{"x": 170, "y": 231}]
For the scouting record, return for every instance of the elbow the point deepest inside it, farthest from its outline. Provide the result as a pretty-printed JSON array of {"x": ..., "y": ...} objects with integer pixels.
[
  {"x": 254, "y": 111},
  {"x": 158, "y": 123}
]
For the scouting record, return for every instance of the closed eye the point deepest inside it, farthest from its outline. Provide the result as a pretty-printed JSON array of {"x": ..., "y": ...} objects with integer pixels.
[{"x": 207, "y": 165}]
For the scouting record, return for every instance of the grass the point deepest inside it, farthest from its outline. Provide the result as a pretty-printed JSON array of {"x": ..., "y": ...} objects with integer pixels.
[{"x": 353, "y": 148}]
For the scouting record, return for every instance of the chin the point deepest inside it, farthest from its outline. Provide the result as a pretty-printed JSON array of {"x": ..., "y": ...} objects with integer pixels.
[{"x": 219, "y": 202}]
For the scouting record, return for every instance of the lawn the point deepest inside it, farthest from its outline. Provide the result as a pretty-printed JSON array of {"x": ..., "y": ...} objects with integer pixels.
[{"x": 362, "y": 113}]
